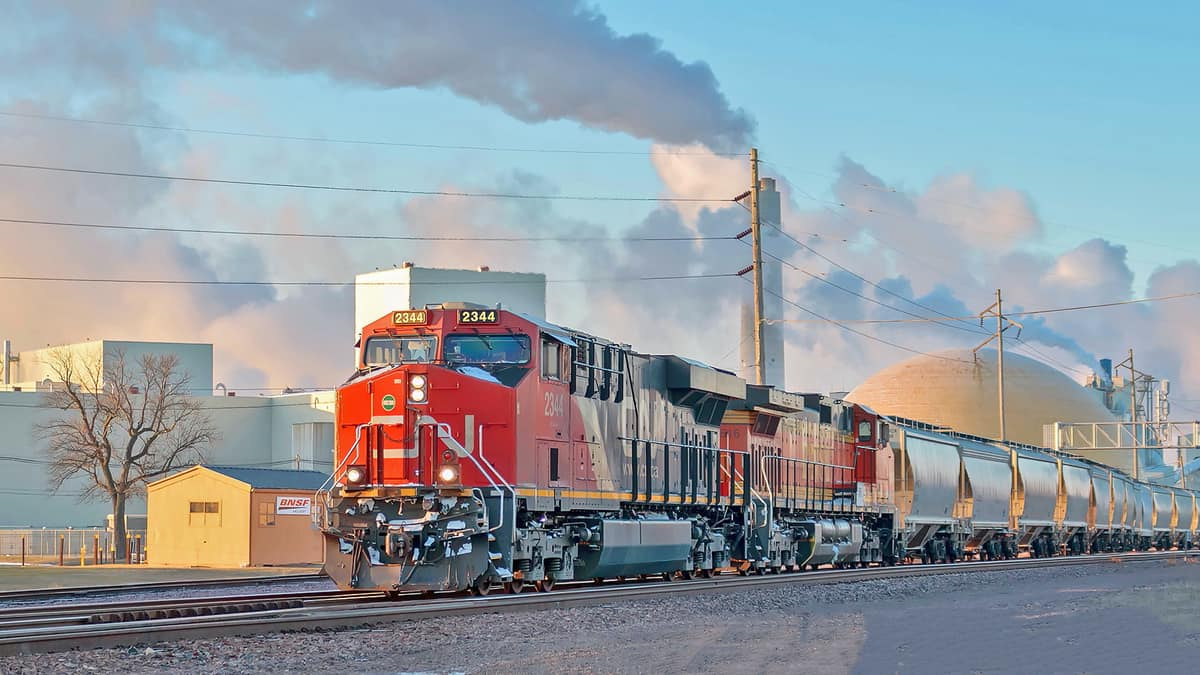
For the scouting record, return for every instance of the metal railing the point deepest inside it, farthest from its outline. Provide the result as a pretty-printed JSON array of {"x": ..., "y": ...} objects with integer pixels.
[{"x": 68, "y": 547}]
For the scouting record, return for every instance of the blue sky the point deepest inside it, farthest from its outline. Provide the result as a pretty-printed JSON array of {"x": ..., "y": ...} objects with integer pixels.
[{"x": 1090, "y": 108}]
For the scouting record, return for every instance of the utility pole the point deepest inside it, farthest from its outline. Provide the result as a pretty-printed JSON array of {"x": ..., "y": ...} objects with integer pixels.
[
  {"x": 1133, "y": 427},
  {"x": 756, "y": 241},
  {"x": 1000, "y": 358},
  {"x": 1003, "y": 323}
]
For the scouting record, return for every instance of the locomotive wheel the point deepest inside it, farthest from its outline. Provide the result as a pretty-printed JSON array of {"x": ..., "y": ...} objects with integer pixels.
[
  {"x": 515, "y": 586},
  {"x": 393, "y": 595},
  {"x": 687, "y": 574},
  {"x": 668, "y": 576},
  {"x": 545, "y": 585},
  {"x": 481, "y": 587},
  {"x": 706, "y": 574},
  {"x": 760, "y": 571}
]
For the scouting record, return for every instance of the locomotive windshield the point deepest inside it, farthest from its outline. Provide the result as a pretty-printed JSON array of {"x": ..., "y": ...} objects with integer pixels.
[
  {"x": 389, "y": 349},
  {"x": 486, "y": 349}
]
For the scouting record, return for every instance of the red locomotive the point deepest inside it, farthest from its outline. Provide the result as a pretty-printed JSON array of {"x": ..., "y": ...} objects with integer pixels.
[{"x": 477, "y": 447}]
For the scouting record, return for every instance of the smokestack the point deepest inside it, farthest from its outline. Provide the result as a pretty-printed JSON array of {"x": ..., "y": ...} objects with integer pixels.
[
  {"x": 770, "y": 214},
  {"x": 8, "y": 361},
  {"x": 1106, "y": 368}
]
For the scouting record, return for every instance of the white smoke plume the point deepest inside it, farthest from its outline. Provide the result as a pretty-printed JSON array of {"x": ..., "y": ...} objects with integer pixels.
[{"x": 534, "y": 61}]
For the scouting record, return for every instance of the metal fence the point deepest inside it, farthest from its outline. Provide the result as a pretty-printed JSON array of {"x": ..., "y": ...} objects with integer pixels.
[{"x": 87, "y": 546}]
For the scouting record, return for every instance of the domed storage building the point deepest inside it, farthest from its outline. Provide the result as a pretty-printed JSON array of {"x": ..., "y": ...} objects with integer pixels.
[{"x": 955, "y": 389}]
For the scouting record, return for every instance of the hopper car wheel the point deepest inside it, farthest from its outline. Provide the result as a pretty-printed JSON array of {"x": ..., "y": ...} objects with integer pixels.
[
  {"x": 597, "y": 580},
  {"x": 621, "y": 578},
  {"x": 515, "y": 586},
  {"x": 392, "y": 595},
  {"x": 668, "y": 576},
  {"x": 545, "y": 585},
  {"x": 706, "y": 574},
  {"x": 687, "y": 575}
]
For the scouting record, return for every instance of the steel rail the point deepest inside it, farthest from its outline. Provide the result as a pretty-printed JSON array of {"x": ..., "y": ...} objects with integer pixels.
[
  {"x": 342, "y": 614},
  {"x": 12, "y": 618},
  {"x": 83, "y": 591}
]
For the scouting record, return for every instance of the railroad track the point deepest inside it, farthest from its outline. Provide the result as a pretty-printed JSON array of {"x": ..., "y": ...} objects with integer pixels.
[
  {"x": 84, "y": 591},
  {"x": 59, "y": 628}
]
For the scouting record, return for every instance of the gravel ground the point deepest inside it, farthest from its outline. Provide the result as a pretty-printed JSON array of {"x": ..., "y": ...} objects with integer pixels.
[
  {"x": 1096, "y": 619},
  {"x": 181, "y": 592}
]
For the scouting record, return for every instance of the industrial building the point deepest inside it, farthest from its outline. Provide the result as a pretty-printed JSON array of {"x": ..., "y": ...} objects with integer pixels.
[{"x": 224, "y": 516}]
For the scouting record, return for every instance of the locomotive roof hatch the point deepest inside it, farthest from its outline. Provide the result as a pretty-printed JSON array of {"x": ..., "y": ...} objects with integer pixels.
[
  {"x": 772, "y": 400},
  {"x": 705, "y": 389}
]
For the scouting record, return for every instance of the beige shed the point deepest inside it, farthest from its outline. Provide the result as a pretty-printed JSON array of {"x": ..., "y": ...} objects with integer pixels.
[{"x": 224, "y": 516}]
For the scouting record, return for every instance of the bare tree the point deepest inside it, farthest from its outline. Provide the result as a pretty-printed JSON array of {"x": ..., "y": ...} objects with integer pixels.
[{"x": 121, "y": 426}]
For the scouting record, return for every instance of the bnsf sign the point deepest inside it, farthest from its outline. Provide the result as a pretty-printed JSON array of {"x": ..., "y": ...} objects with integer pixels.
[{"x": 293, "y": 506}]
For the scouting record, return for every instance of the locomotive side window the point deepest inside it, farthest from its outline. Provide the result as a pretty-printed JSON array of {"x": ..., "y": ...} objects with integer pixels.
[
  {"x": 553, "y": 464},
  {"x": 389, "y": 349},
  {"x": 551, "y": 360},
  {"x": 481, "y": 348},
  {"x": 864, "y": 430}
]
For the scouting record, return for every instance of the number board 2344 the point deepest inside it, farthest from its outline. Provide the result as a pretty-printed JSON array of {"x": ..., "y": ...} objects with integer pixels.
[{"x": 478, "y": 316}]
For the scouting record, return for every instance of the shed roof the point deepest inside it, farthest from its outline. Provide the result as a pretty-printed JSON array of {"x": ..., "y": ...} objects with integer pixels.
[{"x": 277, "y": 479}]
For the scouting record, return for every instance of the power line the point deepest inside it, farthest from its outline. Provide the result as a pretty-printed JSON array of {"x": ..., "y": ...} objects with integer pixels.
[
  {"x": 858, "y": 332},
  {"x": 219, "y": 282},
  {"x": 351, "y": 188},
  {"x": 359, "y": 141},
  {"x": 976, "y": 207},
  {"x": 1030, "y": 312},
  {"x": 362, "y": 236},
  {"x": 1046, "y": 358},
  {"x": 780, "y": 229}
]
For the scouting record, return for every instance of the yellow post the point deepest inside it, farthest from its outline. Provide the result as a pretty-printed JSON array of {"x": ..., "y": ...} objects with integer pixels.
[{"x": 82, "y": 551}]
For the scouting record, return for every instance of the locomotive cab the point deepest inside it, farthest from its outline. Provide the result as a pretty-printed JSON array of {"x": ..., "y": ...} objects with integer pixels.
[{"x": 424, "y": 449}]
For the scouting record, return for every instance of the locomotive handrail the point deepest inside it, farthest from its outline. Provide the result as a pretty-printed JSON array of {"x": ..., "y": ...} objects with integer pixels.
[
  {"x": 685, "y": 446},
  {"x": 443, "y": 433},
  {"x": 508, "y": 485},
  {"x": 733, "y": 477},
  {"x": 325, "y": 486},
  {"x": 797, "y": 460}
]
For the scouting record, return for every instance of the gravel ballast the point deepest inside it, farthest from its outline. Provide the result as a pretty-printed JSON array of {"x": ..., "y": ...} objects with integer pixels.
[{"x": 1095, "y": 618}]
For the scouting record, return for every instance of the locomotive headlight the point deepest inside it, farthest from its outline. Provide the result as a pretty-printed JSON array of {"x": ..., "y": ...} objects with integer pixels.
[
  {"x": 448, "y": 474},
  {"x": 416, "y": 389},
  {"x": 355, "y": 475}
]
